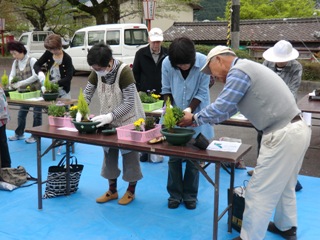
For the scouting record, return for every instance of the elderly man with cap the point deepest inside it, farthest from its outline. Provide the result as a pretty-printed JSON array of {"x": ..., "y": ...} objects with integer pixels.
[
  {"x": 281, "y": 58},
  {"x": 263, "y": 97},
  {"x": 147, "y": 66}
]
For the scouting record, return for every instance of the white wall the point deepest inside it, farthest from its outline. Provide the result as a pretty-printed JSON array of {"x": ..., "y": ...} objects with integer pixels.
[{"x": 164, "y": 16}]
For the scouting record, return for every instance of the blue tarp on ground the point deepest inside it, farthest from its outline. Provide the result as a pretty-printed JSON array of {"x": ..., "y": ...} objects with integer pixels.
[{"x": 78, "y": 216}]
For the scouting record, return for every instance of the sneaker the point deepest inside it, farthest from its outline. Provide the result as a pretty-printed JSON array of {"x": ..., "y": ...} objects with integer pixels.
[
  {"x": 16, "y": 137},
  {"x": 30, "y": 140}
]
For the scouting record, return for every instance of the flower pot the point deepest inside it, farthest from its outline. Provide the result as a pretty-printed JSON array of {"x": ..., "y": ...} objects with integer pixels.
[
  {"x": 178, "y": 136},
  {"x": 86, "y": 127},
  {"x": 50, "y": 96},
  {"x": 60, "y": 121},
  {"x": 128, "y": 133}
]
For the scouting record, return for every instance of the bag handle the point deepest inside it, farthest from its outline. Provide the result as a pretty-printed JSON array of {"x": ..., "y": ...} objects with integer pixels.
[{"x": 63, "y": 160}]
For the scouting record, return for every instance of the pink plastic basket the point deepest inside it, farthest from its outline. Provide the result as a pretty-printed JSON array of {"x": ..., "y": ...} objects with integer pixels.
[
  {"x": 127, "y": 133},
  {"x": 60, "y": 121}
]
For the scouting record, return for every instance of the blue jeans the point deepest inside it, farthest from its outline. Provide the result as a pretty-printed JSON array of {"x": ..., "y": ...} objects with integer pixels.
[
  {"x": 182, "y": 187},
  {"x": 22, "y": 116}
]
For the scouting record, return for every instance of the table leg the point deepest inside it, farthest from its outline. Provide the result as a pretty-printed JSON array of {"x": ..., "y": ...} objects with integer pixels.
[
  {"x": 216, "y": 200},
  {"x": 230, "y": 196},
  {"x": 68, "y": 145},
  {"x": 39, "y": 174}
]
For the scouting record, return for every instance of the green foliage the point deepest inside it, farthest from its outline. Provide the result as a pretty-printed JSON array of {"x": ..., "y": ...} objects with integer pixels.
[
  {"x": 266, "y": 9},
  {"x": 50, "y": 87},
  {"x": 149, "y": 123},
  {"x": 177, "y": 113},
  {"x": 172, "y": 115},
  {"x": 15, "y": 79},
  {"x": 4, "y": 79},
  {"x": 147, "y": 98},
  {"x": 311, "y": 71},
  {"x": 56, "y": 111},
  {"x": 168, "y": 119},
  {"x": 83, "y": 107}
]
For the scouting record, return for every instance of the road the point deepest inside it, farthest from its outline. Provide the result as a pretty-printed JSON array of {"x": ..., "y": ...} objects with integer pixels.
[{"x": 311, "y": 163}]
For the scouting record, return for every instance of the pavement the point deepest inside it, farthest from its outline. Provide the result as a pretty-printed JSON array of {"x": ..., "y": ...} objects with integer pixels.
[{"x": 311, "y": 164}]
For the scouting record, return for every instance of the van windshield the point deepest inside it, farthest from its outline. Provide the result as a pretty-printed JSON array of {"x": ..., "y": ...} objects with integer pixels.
[{"x": 136, "y": 36}]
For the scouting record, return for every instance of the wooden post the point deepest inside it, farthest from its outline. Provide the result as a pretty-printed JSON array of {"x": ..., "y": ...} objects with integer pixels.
[
  {"x": 2, "y": 46},
  {"x": 235, "y": 24}
]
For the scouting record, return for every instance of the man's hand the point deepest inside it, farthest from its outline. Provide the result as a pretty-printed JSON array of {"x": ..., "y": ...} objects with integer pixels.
[
  {"x": 186, "y": 120},
  {"x": 103, "y": 119}
]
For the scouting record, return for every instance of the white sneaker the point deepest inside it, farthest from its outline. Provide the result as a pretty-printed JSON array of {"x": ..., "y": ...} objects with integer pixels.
[
  {"x": 16, "y": 137},
  {"x": 31, "y": 140}
]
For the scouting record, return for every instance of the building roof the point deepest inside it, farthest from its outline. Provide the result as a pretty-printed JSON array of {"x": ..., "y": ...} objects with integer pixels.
[{"x": 252, "y": 32}]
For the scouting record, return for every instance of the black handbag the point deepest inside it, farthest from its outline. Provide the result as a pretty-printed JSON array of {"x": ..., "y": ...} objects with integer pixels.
[
  {"x": 238, "y": 204},
  {"x": 56, "y": 184}
]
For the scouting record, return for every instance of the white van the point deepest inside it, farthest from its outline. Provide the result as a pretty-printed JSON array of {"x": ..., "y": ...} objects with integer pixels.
[
  {"x": 124, "y": 39},
  {"x": 34, "y": 42}
]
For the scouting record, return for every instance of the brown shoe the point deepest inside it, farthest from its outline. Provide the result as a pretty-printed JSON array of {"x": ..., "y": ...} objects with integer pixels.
[
  {"x": 250, "y": 173},
  {"x": 107, "y": 197},
  {"x": 127, "y": 198}
]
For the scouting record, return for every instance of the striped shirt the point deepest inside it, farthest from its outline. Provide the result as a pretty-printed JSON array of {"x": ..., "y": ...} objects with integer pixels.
[{"x": 225, "y": 105}]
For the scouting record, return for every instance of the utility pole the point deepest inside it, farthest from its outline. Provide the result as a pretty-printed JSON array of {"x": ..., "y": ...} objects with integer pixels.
[{"x": 235, "y": 24}]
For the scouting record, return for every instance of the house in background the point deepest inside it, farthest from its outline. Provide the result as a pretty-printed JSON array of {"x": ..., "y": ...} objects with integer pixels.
[
  {"x": 165, "y": 15},
  {"x": 255, "y": 35}
]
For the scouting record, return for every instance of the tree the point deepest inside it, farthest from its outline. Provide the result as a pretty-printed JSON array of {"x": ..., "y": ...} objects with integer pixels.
[
  {"x": 53, "y": 14},
  {"x": 267, "y": 9},
  {"x": 99, "y": 10}
]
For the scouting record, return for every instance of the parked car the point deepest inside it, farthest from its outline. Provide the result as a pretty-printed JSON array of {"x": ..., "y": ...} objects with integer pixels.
[
  {"x": 124, "y": 39},
  {"x": 34, "y": 42}
]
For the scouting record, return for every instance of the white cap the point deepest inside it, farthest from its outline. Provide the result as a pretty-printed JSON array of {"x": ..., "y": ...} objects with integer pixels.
[
  {"x": 282, "y": 51},
  {"x": 156, "y": 35},
  {"x": 214, "y": 52}
]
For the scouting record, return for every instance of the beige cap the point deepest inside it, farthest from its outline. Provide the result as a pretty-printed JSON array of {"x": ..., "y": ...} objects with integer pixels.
[
  {"x": 214, "y": 52},
  {"x": 156, "y": 35}
]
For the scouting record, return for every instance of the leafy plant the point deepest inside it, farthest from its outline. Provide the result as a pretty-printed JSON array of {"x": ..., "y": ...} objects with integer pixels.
[
  {"x": 149, "y": 97},
  {"x": 83, "y": 107},
  {"x": 172, "y": 116},
  {"x": 50, "y": 87},
  {"x": 149, "y": 123},
  {"x": 139, "y": 124},
  {"x": 73, "y": 111},
  {"x": 56, "y": 110},
  {"x": 15, "y": 79},
  {"x": 5, "y": 80}
]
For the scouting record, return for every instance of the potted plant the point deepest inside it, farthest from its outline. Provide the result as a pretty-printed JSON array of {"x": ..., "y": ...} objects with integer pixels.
[
  {"x": 82, "y": 121},
  {"x": 5, "y": 83},
  {"x": 150, "y": 100},
  {"x": 56, "y": 115},
  {"x": 51, "y": 90},
  {"x": 141, "y": 130},
  {"x": 173, "y": 134}
]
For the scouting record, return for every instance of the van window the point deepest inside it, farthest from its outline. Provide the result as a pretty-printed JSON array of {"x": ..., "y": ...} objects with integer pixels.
[
  {"x": 24, "y": 39},
  {"x": 95, "y": 37},
  {"x": 136, "y": 36},
  {"x": 113, "y": 37},
  {"x": 78, "y": 40},
  {"x": 39, "y": 37}
]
